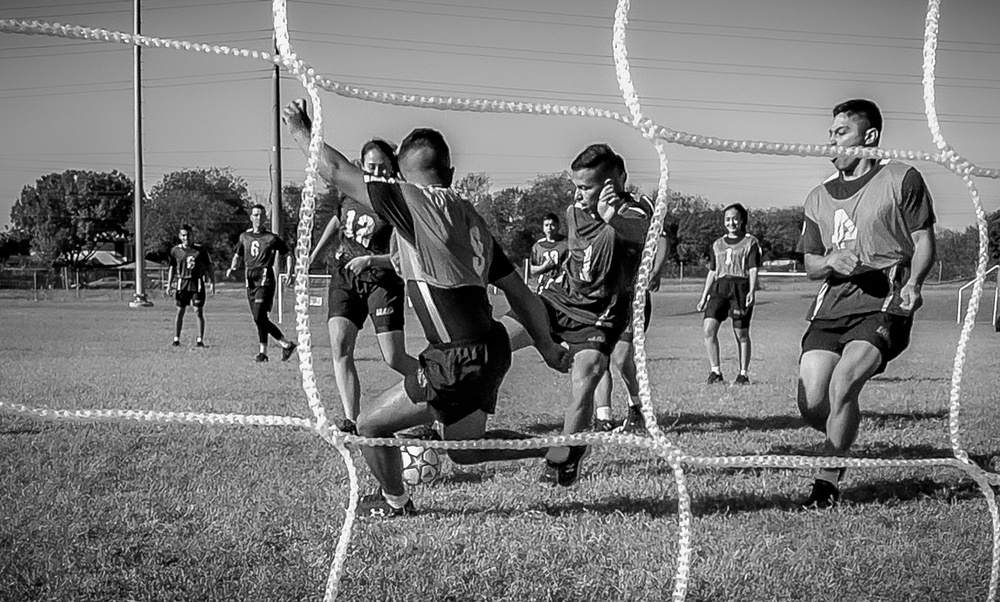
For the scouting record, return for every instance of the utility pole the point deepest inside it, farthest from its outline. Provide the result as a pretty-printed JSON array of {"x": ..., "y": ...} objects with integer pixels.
[
  {"x": 276, "y": 216},
  {"x": 140, "y": 299}
]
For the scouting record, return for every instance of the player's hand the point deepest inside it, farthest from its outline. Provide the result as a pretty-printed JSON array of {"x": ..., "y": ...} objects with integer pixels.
[
  {"x": 556, "y": 356},
  {"x": 843, "y": 262},
  {"x": 229, "y": 273},
  {"x": 211, "y": 288},
  {"x": 751, "y": 297},
  {"x": 701, "y": 303},
  {"x": 295, "y": 117},
  {"x": 654, "y": 283},
  {"x": 912, "y": 299},
  {"x": 607, "y": 203},
  {"x": 360, "y": 264}
]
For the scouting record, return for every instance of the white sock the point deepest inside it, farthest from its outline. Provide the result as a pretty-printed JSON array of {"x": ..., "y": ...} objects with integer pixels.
[
  {"x": 396, "y": 501},
  {"x": 263, "y": 348},
  {"x": 604, "y": 413},
  {"x": 717, "y": 369}
]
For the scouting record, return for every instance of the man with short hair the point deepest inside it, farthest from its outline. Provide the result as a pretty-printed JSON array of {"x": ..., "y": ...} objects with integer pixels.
[
  {"x": 869, "y": 235},
  {"x": 447, "y": 257},
  {"x": 192, "y": 265},
  {"x": 257, "y": 249},
  {"x": 548, "y": 252}
]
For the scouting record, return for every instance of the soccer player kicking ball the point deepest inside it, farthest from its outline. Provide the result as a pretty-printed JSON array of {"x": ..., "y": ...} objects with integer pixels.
[
  {"x": 869, "y": 235},
  {"x": 192, "y": 265},
  {"x": 447, "y": 257},
  {"x": 257, "y": 249}
]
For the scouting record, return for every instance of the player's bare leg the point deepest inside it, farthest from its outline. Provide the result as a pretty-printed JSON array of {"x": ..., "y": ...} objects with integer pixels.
[
  {"x": 589, "y": 366},
  {"x": 392, "y": 411},
  {"x": 857, "y": 364},
  {"x": 392, "y": 345},
  {"x": 473, "y": 426},
  {"x": 343, "y": 338},
  {"x": 710, "y": 332},
  {"x": 743, "y": 350}
]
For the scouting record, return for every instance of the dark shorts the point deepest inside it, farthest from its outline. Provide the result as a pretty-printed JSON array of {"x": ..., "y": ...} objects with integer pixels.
[
  {"x": 260, "y": 298},
  {"x": 888, "y": 333},
  {"x": 189, "y": 297},
  {"x": 456, "y": 379},
  {"x": 626, "y": 334},
  {"x": 728, "y": 299},
  {"x": 355, "y": 299},
  {"x": 580, "y": 336}
]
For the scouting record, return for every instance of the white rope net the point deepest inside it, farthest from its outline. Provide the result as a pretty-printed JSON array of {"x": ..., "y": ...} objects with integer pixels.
[{"x": 659, "y": 136}]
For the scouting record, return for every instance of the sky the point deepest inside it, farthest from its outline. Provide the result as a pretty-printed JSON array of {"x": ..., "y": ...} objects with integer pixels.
[{"x": 742, "y": 69}]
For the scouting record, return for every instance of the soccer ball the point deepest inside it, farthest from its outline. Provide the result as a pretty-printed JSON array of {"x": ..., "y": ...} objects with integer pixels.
[{"x": 421, "y": 465}]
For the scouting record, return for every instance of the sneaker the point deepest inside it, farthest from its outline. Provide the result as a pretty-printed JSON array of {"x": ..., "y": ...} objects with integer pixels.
[
  {"x": 635, "y": 422},
  {"x": 261, "y": 357},
  {"x": 741, "y": 379},
  {"x": 176, "y": 343},
  {"x": 569, "y": 471},
  {"x": 199, "y": 344},
  {"x": 286, "y": 352},
  {"x": 375, "y": 506},
  {"x": 824, "y": 495},
  {"x": 715, "y": 377},
  {"x": 348, "y": 426},
  {"x": 603, "y": 426}
]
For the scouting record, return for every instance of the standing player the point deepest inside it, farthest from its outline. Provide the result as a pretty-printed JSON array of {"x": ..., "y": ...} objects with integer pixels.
[
  {"x": 869, "y": 235},
  {"x": 606, "y": 228},
  {"x": 192, "y": 265},
  {"x": 447, "y": 256},
  {"x": 548, "y": 252},
  {"x": 730, "y": 289},
  {"x": 363, "y": 283},
  {"x": 257, "y": 249}
]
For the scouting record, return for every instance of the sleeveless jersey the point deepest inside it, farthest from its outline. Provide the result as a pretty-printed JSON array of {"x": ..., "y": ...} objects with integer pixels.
[
  {"x": 446, "y": 255},
  {"x": 734, "y": 258},
  {"x": 555, "y": 251},
  {"x": 873, "y": 216},
  {"x": 363, "y": 232},
  {"x": 191, "y": 265},
  {"x": 601, "y": 265},
  {"x": 258, "y": 250}
]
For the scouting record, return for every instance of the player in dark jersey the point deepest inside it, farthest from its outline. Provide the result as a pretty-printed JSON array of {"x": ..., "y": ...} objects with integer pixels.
[
  {"x": 257, "y": 249},
  {"x": 606, "y": 228},
  {"x": 447, "y": 257},
  {"x": 869, "y": 235},
  {"x": 363, "y": 283},
  {"x": 549, "y": 252},
  {"x": 730, "y": 291},
  {"x": 192, "y": 265}
]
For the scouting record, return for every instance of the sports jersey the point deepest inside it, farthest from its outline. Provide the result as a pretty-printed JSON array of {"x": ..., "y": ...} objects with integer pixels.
[
  {"x": 191, "y": 265},
  {"x": 735, "y": 257},
  {"x": 258, "y": 250},
  {"x": 554, "y": 251},
  {"x": 873, "y": 216},
  {"x": 363, "y": 232},
  {"x": 601, "y": 266},
  {"x": 446, "y": 256}
]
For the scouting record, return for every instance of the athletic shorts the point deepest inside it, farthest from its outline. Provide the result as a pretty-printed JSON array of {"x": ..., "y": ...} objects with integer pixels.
[
  {"x": 261, "y": 297},
  {"x": 190, "y": 297},
  {"x": 355, "y": 299},
  {"x": 888, "y": 333},
  {"x": 626, "y": 334},
  {"x": 728, "y": 298},
  {"x": 456, "y": 379},
  {"x": 580, "y": 336}
]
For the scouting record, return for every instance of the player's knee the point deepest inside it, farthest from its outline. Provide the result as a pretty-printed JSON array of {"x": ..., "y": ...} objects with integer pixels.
[
  {"x": 710, "y": 330},
  {"x": 742, "y": 334}
]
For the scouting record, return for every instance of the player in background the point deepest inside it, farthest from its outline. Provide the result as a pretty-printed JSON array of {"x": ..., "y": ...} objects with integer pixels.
[
  {"x": 447, "y": 257},
  {"x": 548, "y": 253},
  {"x": 730, "y": 291},
  {"x": 363, "y": 284},
  {"x": 192, "y": 265},
  {"x": 257, "y": 249},
  {"x": 605, "y": 228},
  {"x": 868, "y": 234}
]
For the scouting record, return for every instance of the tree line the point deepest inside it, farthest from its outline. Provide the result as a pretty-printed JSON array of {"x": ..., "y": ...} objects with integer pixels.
[{"x": 65, "y": 217}]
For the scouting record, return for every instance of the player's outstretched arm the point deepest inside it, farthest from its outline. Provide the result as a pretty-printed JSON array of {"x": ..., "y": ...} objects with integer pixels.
[
  {"x": 530, "y": 312},
  {"x": 332, "y": 227},
  {"x": 335, "y": 169}
]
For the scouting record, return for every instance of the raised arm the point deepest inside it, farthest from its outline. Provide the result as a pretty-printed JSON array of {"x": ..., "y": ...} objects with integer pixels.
[
  {"x": 530, "y": 312},
  {"x": 335, "y": 169},
  {"x": 332, "y": 227}
]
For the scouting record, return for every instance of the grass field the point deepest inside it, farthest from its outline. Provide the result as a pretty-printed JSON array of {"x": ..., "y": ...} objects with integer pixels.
[{"x": 130, "y": 511}]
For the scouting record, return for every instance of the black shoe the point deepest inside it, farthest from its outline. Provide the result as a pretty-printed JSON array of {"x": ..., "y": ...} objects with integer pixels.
[
  {"x": 176, "y": 343},
  {"x": 603, "y": 426},
  {"x": 261, "y": 357},
  {"x": 199, "y": 344},
  {"x": 715, "y": 377},
  {"x": 635, "y": 422},
  {"x": 424, "y": 432},
  {"x": 375, "y": 506},
  {"x": 569, "y": 471},
  {"x": 286, "y": 352},
  {"x": 348, "y": 426},
  {"x": 742, "y": 379},
  {"x": 824, "y": 495}
]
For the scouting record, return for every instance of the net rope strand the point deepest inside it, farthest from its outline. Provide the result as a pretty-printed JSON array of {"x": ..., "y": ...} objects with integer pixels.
[{"x": 659, "y": 136}]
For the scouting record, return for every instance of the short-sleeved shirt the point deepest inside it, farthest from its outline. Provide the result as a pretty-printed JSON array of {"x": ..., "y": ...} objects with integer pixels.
[
  {"x": 734, "y": 257},
  {"x": 192, "y": 265},
  {"x": 873, "y": 216},
  {"x": 258, "y": 251},
  {"x": 363, "y": 232},
  {"x": 446, "y": 256},
  {"x": 601, "y": 266},
  {"x": 554, "y": 251}
]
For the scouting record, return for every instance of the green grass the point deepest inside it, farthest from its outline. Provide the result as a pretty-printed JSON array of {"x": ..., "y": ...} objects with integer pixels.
[{"x": 137, "y": 511}]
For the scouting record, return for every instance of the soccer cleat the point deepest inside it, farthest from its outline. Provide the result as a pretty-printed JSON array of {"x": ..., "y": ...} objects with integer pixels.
[
  {"x": 824, "y": 495},
  {"x": 348, "y": 426},
  {"x": 568, "y": 472},
  {"x": 199, "y": 344},
  {"x": 741, "y": 379},
  {"x": 261, "y": 357},
  {"x": 286, "y": 352},
  {"x": 603, "y": 426},
  {"x": 176, "y": 343},
  {"x": 375, "y": 506},
  {"x": 715, "y": 377},
  {"x": 635, "y": 422}
]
